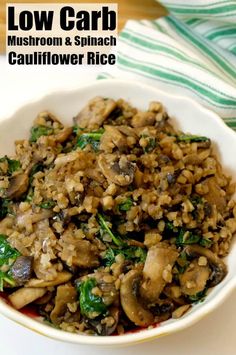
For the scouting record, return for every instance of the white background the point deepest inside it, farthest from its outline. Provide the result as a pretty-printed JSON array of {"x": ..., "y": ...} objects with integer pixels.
[{"x": 214, "y": 335}]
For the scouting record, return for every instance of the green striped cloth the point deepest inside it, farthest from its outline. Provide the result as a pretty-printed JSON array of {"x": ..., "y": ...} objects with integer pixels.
[{"x": 192, "y": 51}]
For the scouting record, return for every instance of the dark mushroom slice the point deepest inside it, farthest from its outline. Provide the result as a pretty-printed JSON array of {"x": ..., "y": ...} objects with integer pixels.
[
  {"x": 194, "y": 279},
  {"x": 18, "y": 186},
  {"x": 162, "y": 310},
  {"x": 65, "y": 294},
  {"x": 105, "y": 325},
  {"x": 22, "y": 269},
  {"x": 95, "y": 112},
  {"x": 131, "y": 302},
  {"x": 160, "y": 257},
  {"x": 219, "y": 269},
  {"x": 118, "y": 170}
]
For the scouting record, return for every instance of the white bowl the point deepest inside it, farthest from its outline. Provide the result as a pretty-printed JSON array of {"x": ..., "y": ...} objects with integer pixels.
[{"x": 188, "y": 116}]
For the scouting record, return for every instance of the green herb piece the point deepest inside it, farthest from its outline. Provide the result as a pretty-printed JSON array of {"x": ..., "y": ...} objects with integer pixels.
[
  {"x": 205, "y": 242},
  {"x": 196, "y": 200},
  {"x": 199, "y": 297},
  {"x": 92, "y": 138},
  {"x": 186, "y": 237},
  {"x": 91, "y": 305},
  {"x": 4, "y": 207},
  {"x": 29, "y": 196},
  {"x": 13, "y": 165},
  {"x": 47, "y": 204},
  {"x": 150, "y": 146},
  {"x": 182, "y": 262},
  {"x": 7, "y": 253},
  {"x": 104, "y": 228},
  {"x": 77, "y": 129},
  {"x": 126, "y": 205},
  {"x": 35, "y": 169},
  {"x": 169, "y": 226},
  {"x": 135, "y": 254},
  {"x": 5, "y": 278},
  {"x": 38, "y": 131},
  {"x": 188, "y": 138}
]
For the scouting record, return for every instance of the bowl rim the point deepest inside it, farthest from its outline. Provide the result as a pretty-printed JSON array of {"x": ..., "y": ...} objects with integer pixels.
[{"x": 146, "y": 334}]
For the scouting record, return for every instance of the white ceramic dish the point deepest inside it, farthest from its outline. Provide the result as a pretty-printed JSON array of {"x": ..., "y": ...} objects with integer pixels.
[{"x": 188, "y": 116}]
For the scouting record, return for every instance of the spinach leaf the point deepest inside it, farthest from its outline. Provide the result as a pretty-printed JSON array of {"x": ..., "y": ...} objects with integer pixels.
[
  {"x": 126, "y": 205},
  {"x": 105, "y": 229},
  {"x": 151, "y": 145},
  {"x": 47, "y": 204},
  {"x": 188, "y": 138},
  {"x": 199, "y": 297},
  {"x": 4, "y": 207},
  {"x": 13, "y": 165},
  {"x": 186, "y": 237},
  {"x": 205, "y": 242},
  {"x": 7, "y": 253},
  {"x": 90, "y": 305},
  {"x": 132, "y": 253},
  {"x": 35, "y": 169},
  {"x": 92, "y": 138},
  {"x": 38, "y": 131}
]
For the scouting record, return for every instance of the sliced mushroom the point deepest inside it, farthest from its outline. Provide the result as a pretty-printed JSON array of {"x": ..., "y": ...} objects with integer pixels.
[
  {"x": 127, "y": 131},
  {"x": 47, "y": 116},
  {"x": 143, "y": 119},
  {"x": 63, "y": 135},
  {"x": 194, "y": 279},
  {"x": 219, "y": 269},
  {"x": 214, "y": 195},
  {"x": 162, "y": 310},
  {"x": 18, "y": 186},
  {"x": 160, "y": 257},
  {"x": 22, "y": 269},
  {"x": 120, "y": 172},
  {"x": 63, "y": 159},
  {"x": 131, "y": 305},
  {"x": 95, "y": 113},
  {"x": 6, "y": 223},
  {"x": 24, "y": 296},
  {"x": 61, "y": 278},
  {"x": 112, "y": 138},
  {"x": 65, "y": 294},
  {"x": 29, "y": 217}
]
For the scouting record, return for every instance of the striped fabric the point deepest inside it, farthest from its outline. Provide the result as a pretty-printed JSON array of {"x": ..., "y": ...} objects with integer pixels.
[{"x": 192, "y": 51}]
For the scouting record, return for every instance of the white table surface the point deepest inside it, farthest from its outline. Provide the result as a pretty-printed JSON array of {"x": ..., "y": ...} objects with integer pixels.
[{"x": 214, "y": 335}]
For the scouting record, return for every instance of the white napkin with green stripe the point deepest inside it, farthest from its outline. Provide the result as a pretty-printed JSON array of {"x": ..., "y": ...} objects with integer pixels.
[{"x": 191, "y": 52}]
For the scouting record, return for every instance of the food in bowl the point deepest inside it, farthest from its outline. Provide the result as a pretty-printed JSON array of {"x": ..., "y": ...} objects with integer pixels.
[{"x": 118, "y": 222}]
